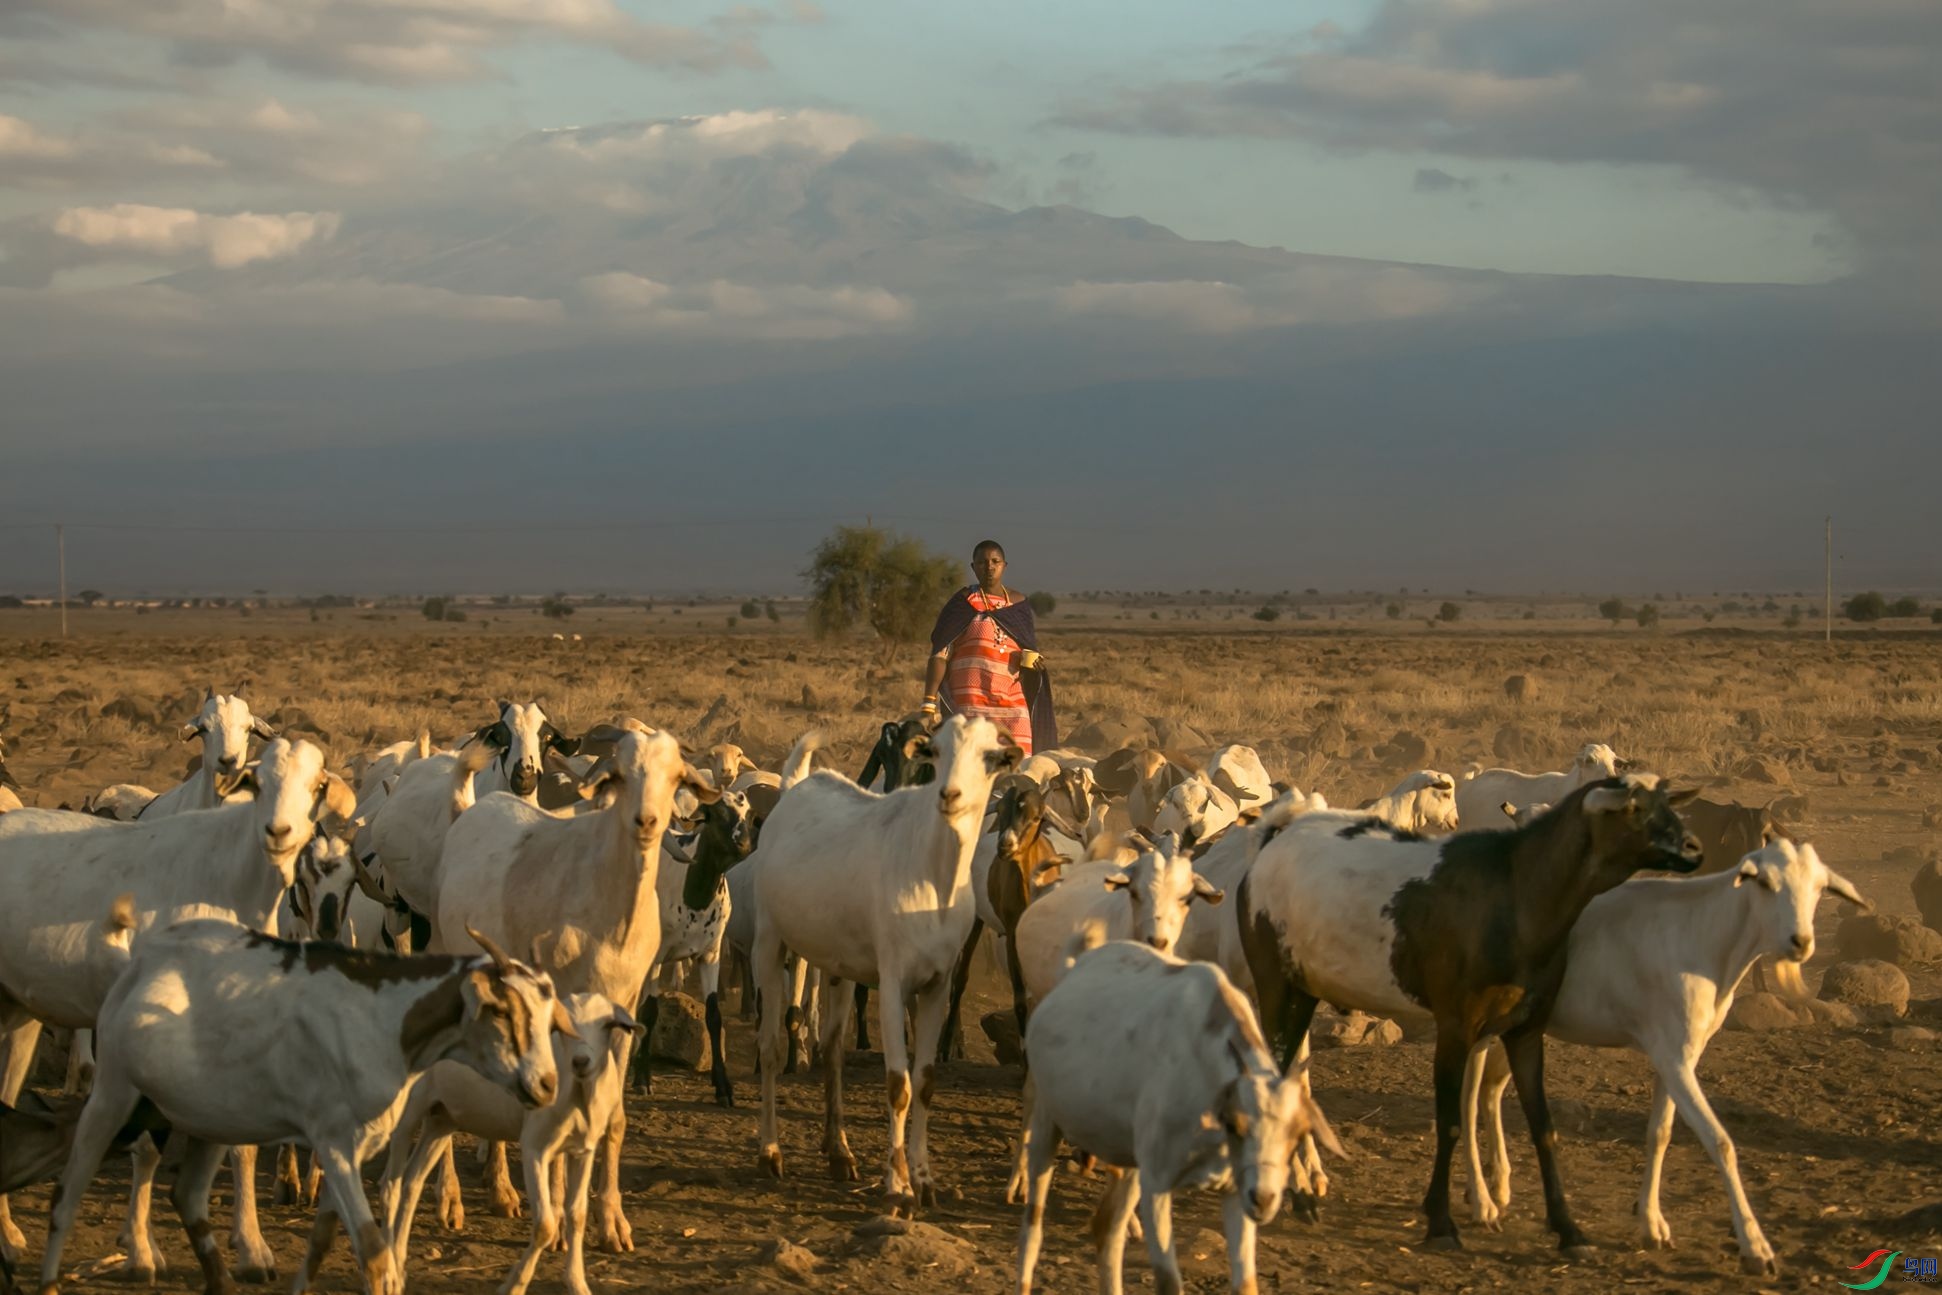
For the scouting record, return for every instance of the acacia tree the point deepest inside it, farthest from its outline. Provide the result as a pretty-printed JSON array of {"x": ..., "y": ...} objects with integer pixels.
[{"x": 863, "y": 575}]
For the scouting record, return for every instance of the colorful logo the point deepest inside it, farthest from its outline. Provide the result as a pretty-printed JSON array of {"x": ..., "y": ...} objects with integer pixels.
[{"x": 1879, "y": 1277}]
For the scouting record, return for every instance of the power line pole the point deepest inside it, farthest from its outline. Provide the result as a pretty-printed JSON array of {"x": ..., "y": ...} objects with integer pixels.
[
  {"x": 60, "y": 550},
  {"x": 1827, "y": 609}
]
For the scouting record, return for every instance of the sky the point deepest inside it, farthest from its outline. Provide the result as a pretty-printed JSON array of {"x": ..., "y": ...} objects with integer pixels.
[{"x": 495, "y": 295}]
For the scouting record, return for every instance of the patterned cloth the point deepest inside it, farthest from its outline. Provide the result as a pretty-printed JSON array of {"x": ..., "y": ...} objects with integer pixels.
[{"x": 983, "y": 679}]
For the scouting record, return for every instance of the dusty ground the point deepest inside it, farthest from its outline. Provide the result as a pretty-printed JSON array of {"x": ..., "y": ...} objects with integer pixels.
[{"x": 1839, "y": 1132}]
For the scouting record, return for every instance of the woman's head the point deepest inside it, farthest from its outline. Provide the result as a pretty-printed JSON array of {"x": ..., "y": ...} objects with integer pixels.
[{"x": 988, "y": 563}]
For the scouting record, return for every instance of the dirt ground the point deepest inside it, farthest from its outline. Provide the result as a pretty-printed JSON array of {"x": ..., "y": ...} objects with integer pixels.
[{"x": 1839, "y": 1131}]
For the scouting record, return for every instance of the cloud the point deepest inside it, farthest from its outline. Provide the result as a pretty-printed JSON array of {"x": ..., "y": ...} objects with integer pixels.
[
  {"x": 390, "y": 42},
  {"x": 1829, "y": 104},
  {"x": 784, "y": 312},
  {"x": 1430, "y": 179},
  {"x": 143, "y": 234},
  {"x": 1320, "y": 292}
]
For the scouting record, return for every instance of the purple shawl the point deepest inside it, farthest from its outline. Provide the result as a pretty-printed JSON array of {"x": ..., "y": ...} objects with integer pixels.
[{"x": 1019, "y": 622}]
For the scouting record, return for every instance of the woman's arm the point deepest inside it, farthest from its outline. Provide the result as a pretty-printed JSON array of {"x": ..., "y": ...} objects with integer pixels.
[{"x": 934, "y": 669}]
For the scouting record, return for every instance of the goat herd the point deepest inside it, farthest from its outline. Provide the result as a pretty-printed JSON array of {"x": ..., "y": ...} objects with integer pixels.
[{"x": 1138, "y": 899}]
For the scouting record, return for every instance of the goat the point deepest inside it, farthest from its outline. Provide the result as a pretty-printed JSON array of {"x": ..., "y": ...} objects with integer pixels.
[
  {"x": 556, "y": 1141},
  {"x": 873, "y": 887},
  {"x": 198, "y": 1024},
  {"x": 1653, "y": 966},
  {"x": 1470, "y": 929},
  {"x": 1195, "y": 809},
  {"x": 1480, "y": 792},
  {"x": 60, "y": 872},
  {"x": 224, "y": 726},
  {"x": 1424, "y": 802},
  {"x": 695, "y": 907},
  {"x": 587, "y": 881},
  {"x": 1157, "y": 1066},
  {"x": 1012, "y": 865}
]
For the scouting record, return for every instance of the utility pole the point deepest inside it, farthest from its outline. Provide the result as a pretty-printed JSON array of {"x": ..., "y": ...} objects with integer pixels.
[
  {"x": 1827, "y": 609},
  {"x": 60, "y": 550}
]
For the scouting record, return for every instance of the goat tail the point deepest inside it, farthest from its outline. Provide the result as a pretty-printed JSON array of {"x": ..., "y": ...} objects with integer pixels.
[
  {"x": 1081, "y": 942},
  {"x": 118, "y": 927},
  {"x": 476, "y": 755},
  {"x": 795, "y": 767}
]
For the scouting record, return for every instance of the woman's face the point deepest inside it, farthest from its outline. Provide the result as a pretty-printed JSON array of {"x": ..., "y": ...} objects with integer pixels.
[{"x": 989, "y": 568}]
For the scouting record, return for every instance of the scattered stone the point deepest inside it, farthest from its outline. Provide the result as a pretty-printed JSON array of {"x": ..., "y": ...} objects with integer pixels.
[
  {"x": 810, "y": 701},
  {"x": 1912, "y": 1038},
  {"x": 1924, "y": 1220},
  {"x": 295, "y": 719},
  {"x": 1932, "y": 816},
  {"x": 1521, "y": 689},
  {"x": 1867, "y": 983},
  {"x": 1792, "y": 808},
  {"x": 1178, "y": 735},
  {"x": 1410, "y": 751},
  {"x": 132, "y": 711},
  {"x": 1913, "y": 856},
  {"x": 1353, "y": 1030},
  {"x": 1762, "y": 770},
  {"x": 790, "y": 1259},
  {"x": 915, "y": 1246},
  {"x": 1900, "y": 940},
  {"x": 1111, "y": 733},
  {"x": 1001, "y": 1028},
  {"x": 1927, "y": 885},
  {"x": 1838, "y": 1015},
  {"x": 1329, "y": 738},
  {"x": 680, "y": 1032},
  {"x": 1763, "y": 1013},
  {"x": 1512, "y": 744}
]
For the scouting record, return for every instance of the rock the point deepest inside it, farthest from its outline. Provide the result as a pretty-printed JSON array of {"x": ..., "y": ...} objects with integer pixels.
[
  {"x": 1923, "y": 1220},
  {"x": 1913, "y": 856},
  {"x": 132, "y": 711},
  {"x": 1109, "y": 734},
  {"x": 1178, "y": 735},
  {"x": 1838, "y": 1015},
  {"x": 1760, "y": 769},
  {"x": 1764, "y": 1013},
  {"x": 1354, "y": 1030},
  {"x": 1927, "y": 885},
  {"x": 1791, "y": 808},
  {"x": 1900, "y": 940},
  {"x": 296, "y": 719},
  {"x": 916, "y": 1247},
  {"x": 1409, "y": 750},
  {"x": 1521, "y": 689},
  {"x": 1932, "y": 816},
  {"x": 790, "y": 1259},
  {"x": 1512, "y": 745},
  {"x": 1912, "y": 1038},
  {"x": 1867, "y": 983},
  {"x": 810, "y": 701},
  {"x": 1001, "y": 1028},
  {"x": 1329, "y": 738},
  {"x": 680, "y": 1032}
]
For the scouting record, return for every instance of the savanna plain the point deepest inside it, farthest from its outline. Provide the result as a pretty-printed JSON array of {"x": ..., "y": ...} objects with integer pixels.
[{"x": 1838, "y": 1126}]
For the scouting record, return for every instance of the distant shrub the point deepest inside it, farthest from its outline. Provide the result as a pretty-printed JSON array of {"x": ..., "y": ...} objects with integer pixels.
[
  {"x": 1904, "y": 607},
  {"x": 1043, "y": 604},
  {"x": 1267, "y": 612},
  {"x": 556, "y": 607},
  {"x": 1394, "y": 611},
  {"x": 1614, "y": 610},
  {"x": 1648, "y": 616},
  {"x": 1870, "y": 606},
  {"x": 1448, "y": 612}
]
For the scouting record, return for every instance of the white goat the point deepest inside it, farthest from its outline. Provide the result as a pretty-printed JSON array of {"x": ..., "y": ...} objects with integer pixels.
[
  {"x": 585, "y": 882},
  {"x": 199, "y": 1023},
  {"x": 1210, "y": 933},
  {"x": 1480, "y": 794},
  {"x": 1146, "y": 901},
  {"x": 1238, "y": 771},
  {"x": 224, "y": 725},
  {"x": 561, "y": 1136},
  {"x": 1157, "y": 1066},
  {"x": 1653, "y": 966},
  {"x": 60, "y": 872},
  {"x": 1195, "y": 810},
  {"x": 873, "y": 888},
  {"x": 1424, "y": 802}
]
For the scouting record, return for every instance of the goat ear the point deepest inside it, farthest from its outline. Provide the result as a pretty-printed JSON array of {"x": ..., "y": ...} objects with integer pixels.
[
  {"x": 562, "y": 1023},
  {"x": 339, "y": 799},
  {"x": 1206, "y": 891},
  {"x": 920, "y": 748},
  {"x": 622, "y": 1019},
  {"x": 1747, "y": 871},
  {"x": 1054, "y": 820},
  {"x": 261, "y": 727},
  {"x": 1839, "y": 885},
  {"x": 1319, "y": 1129},
  {"x": 483, "y": 989},
  {"x": 1678, "y": 798},
  {"x": 563, "y": 744},
  {"x": 603, "y": 769},
  {"x": 701, "y": 783},
  {"x": 1607, "y": 800},
  {"x": 1117, "y": 881},
  {"x": 599, "y": 740},
  {"x": 190, "y": 732},
  {"x": 244, "y": 779}
]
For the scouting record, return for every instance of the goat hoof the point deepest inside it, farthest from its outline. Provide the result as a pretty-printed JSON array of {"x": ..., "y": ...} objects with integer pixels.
[
  {"x": 902, "y": 1205},
  {"x": 842, "y": 1168},
  {"x": 1578, "y": 1253},
  {"x": 617, "y": 1236},
  {"x": 254, "y": 1274},
  {"x": 286, "y": 1193},
  {"x": 769, "y": 1161},
  {"x": 1442, "y": 1243},
  {"x": 725, "y": 1097},
  {"x": 142, "y": 1274},
  {"x": 927, "y": 1196},
  {"x": 1305, "y": 1206},
  {"x": 507, "y": 1207},
  {"x": 1759, "y": 1266},
  {"x": 452, "y": 1217}
]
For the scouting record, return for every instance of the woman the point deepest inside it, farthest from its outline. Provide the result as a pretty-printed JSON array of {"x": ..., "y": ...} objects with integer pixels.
[{"x": 984, "y": 658}]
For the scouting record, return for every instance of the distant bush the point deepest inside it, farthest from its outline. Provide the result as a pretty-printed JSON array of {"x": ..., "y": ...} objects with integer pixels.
[
  {"x": 773, "y": 614},
  {"x": 1648, "y": 616},
  {"x": 1394, "y": 611},
  {"x": 1267, "y": 612},
  {"x": 1870, "y": 606},
  {"x": 1043, "y": 604},
  {"x": 751, "y": 609},
  {"x": 557, "y": 607},
  {"x": 1448, "y": 612},
  {"x": 1935, "y": 617},
  {"x": 1904, "y": 607}
]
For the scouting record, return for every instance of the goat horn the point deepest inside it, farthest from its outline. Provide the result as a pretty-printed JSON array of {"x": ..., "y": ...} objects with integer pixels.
[
  {"x": 366, "y": 882},
  {"x": 497, "y": 954}
]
